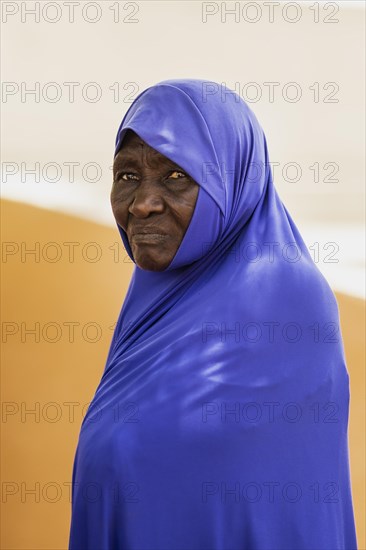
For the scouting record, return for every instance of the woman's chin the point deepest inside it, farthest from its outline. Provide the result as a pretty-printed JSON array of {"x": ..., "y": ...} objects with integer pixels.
[{"x": 151, "y": 264}]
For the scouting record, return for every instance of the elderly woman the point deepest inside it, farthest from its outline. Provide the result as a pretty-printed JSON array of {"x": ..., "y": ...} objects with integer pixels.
[{"x": 221, "y": 418}]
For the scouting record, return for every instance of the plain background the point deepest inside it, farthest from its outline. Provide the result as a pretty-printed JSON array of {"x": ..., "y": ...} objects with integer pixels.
[{"x": 311, "y": 54}]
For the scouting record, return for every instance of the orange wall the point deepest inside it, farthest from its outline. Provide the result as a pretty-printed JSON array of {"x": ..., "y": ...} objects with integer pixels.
[{"x": 46, "y": 377}]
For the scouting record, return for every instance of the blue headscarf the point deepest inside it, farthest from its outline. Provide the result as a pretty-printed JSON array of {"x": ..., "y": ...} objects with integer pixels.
[{"x": 220, "y": 421}]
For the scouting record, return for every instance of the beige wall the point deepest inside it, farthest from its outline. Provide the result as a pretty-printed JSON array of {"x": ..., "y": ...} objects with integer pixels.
[{"x": 169, "y": 39}]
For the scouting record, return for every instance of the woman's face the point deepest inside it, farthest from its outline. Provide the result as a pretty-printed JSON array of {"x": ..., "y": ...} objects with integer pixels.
[{"x": 153, "y": 200}]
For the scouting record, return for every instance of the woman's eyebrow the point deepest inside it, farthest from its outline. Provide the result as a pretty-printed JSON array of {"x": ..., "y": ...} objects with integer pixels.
[
  {"x": 125, "y": 159},
  {"x": 130, "y": 160}
]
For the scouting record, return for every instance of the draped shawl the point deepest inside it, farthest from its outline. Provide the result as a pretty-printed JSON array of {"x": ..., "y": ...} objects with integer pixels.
[{"x": 221, "y": 418}]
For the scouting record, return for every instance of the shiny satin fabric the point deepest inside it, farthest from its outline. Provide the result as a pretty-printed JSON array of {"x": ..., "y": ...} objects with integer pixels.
[{"x": 221, "y": 419}]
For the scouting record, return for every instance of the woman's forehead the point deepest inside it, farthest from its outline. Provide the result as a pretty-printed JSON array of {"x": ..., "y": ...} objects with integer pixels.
[
  {"x": 132, "y": 145},
  {"x": 131, "y": 151},
  {"x": 131, "y": 138}
]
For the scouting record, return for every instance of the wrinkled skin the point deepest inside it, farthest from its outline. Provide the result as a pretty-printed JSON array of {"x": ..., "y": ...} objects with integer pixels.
[{"x": 151, "y": 195}]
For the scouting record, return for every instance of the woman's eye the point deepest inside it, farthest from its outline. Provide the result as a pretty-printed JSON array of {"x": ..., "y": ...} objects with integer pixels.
[
  {"x": 180, "y": 174},
  {"x": 130, "y": 176},
  {"x": 126, "y": 176}
]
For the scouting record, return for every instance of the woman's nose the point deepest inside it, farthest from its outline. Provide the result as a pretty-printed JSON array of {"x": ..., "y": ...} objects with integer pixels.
[{"x": 148, "y": 197}]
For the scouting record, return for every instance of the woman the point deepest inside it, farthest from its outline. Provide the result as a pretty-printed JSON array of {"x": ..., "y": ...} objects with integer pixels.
[{"x": 220, "y": 421}]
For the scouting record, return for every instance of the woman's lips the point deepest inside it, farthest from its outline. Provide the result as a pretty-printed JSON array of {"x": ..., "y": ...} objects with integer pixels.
[{"x": 149, "y": 237}]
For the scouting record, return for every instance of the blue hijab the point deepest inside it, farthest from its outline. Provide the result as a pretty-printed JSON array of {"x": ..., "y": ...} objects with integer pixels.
[{"x": 221, "y": 418}]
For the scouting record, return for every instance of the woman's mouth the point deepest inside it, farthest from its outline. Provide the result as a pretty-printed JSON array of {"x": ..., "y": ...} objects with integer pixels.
[{"x": 148, "y": 237}]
